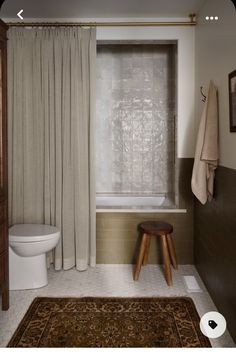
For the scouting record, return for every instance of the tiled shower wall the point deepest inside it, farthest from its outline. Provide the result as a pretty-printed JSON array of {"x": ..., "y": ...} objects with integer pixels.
[
  {"x": 118, "y": 239},
  {"x": 136, "y": 88},
  {"x": 136, "y": 85}
]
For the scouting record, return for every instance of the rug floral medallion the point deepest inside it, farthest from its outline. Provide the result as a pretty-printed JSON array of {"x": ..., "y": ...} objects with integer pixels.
[{"x": 110, "y": 322}]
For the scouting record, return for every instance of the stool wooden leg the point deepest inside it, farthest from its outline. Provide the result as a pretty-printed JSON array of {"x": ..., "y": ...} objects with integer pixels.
[
  {"x": 172, "y": 251},
  {"x": 148, "y": 242},
  {"x": 166, "y": 260},
  {"x": 140, "y": 257}
]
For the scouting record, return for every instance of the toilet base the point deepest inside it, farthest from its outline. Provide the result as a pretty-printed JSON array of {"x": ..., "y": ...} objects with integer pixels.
[{"x": 27, "y": 273}]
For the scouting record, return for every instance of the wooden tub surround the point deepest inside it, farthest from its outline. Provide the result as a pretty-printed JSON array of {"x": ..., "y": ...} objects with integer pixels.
[{"x": 163, "y": 230}]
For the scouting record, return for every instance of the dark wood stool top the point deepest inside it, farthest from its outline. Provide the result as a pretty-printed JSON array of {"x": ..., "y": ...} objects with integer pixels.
[{"x": 156, "y": 228}]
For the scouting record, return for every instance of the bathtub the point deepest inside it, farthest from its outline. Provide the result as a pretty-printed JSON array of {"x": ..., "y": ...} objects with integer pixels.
[
  {"x": 122, "y": 201},
  {"x": 135, "y": 204}
]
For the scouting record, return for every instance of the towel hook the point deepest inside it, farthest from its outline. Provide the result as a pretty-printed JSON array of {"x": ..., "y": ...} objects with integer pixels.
[{"x": 203, "y": 95}]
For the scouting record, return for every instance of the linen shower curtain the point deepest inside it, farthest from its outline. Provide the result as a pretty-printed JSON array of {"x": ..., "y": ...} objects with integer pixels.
[{"x": 51, "y": 84}]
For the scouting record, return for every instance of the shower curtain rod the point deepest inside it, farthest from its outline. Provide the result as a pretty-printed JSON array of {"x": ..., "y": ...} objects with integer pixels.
[{"x": 192, "y": 22}]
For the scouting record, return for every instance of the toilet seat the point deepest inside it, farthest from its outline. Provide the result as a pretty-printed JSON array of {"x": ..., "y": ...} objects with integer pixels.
[{"x": 24, "y": 233}]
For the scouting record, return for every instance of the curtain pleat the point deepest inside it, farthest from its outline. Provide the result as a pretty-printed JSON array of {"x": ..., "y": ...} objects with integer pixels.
[{"x": 51, "y": 97}]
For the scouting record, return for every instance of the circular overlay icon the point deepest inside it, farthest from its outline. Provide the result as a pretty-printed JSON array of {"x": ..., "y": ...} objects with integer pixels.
[{"x": 213, "y": 325}]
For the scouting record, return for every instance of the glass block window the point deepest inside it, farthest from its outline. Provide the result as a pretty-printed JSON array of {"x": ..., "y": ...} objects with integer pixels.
[{"x": 135, "y": 119}]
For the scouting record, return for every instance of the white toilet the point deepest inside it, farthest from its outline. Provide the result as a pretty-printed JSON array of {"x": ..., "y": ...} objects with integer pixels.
[{"x": 28, "y": 245}]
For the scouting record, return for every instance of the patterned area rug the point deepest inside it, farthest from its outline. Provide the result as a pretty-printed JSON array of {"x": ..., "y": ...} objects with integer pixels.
[{"x": 110, "y": 322}]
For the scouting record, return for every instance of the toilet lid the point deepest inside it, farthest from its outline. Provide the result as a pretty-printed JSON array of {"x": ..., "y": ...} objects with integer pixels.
[{"x": 31, "y": 232}]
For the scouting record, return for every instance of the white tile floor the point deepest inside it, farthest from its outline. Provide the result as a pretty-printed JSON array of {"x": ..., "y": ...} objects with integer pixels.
[{"x": 108, "y": 280}]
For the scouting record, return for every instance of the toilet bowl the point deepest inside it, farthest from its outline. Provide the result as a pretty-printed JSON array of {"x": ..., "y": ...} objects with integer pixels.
[{"x": 28, "y": 245}]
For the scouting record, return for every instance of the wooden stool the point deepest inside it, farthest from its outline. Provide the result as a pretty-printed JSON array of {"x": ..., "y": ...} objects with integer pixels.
[{"x": 164, "y": 230}]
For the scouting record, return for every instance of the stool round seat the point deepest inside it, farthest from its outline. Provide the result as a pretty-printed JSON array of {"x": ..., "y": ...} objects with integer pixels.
[
  {"x": 155, "y": 228},
  {"x": 163, "y": 230}
]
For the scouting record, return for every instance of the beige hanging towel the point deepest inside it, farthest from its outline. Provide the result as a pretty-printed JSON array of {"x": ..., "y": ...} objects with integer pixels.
[{"x": 207, "y": 149}]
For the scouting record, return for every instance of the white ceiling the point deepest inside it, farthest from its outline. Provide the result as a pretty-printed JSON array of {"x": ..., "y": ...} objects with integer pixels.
[{"x": 100, "y": 8}]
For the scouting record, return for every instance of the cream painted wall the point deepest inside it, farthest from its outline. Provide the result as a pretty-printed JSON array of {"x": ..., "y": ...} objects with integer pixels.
[
  {"x": 186, "y": 70},
  {"x": 215, "y": 59}
]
